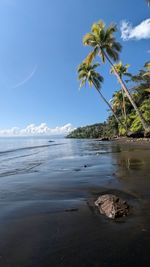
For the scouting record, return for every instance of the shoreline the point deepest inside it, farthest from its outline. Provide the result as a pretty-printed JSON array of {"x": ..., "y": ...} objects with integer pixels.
[
  {"x": 124, "y": 140},
  {"x": 129, "y": 140},
  {"x": 48, "y": 218}
]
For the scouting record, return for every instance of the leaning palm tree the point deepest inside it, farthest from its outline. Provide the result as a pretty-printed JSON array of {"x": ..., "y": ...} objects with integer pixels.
[
  {"x": 87, "y": 73},
  {"x": 104, "y": 44},
  {"x": 122, "y": 70}
]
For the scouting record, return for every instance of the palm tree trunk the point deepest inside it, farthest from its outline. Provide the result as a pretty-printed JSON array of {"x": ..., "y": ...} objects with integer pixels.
[
  {"x": 108, "y": 104},
  {"x": 124, "y": 110},
  {"x": 145, "y": 126}
]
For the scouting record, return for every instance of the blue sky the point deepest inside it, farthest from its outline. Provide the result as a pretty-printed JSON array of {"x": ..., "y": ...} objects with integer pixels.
[{"x": 40, "y": 49}]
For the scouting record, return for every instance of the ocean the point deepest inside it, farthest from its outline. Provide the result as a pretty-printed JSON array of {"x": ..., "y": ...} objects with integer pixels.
[{"x": 24, "y": 155}]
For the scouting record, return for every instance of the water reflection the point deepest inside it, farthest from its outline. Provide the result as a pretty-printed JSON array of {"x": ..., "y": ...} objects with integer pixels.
[
  {"x": 132, "y": 163},
  {"x": 133, "y": 169}
]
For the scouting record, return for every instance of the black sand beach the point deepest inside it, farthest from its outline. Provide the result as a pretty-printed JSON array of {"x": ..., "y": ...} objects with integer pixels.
[{"x": 48, "y": 219}]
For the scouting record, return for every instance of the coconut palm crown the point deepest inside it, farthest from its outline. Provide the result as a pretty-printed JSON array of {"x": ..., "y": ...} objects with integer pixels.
[
  {"x": 103, "y": 41},
  {"x": 87, "y": 73},
  {"x": 121, "y": 69}
]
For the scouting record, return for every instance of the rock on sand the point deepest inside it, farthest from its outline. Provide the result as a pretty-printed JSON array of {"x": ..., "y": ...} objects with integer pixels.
[{"x": 112, "y": 206}]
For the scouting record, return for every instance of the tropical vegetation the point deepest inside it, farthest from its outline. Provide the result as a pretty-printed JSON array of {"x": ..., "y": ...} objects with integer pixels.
[
  {"x": 87, "y": 73},
  {"x": 130, "y": 105}
]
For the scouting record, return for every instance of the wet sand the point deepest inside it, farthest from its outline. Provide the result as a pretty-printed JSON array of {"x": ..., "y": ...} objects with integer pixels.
[{"x": 49, "y": 220}]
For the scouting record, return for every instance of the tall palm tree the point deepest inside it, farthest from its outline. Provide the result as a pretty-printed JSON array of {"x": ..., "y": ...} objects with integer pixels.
[
  {"x": 87, "y": 73},
  {"x": 122, "y": 70},
  {"x": 104, "y": 44}
]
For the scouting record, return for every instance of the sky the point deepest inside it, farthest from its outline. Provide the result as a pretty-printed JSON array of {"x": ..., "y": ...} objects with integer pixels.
[{"x": 40, "y": 49}]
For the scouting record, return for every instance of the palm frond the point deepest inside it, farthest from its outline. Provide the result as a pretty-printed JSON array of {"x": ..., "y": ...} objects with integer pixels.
[
  {"x": 101, "y": 24},
  {"x": 147, "y": 65},
  {"x": 110, "y": 30},
  {"x": 89, "y": 39},
  {"x": 90, "y": 57},
  {"x": 117, "y": 46},
  {"x": 112, "y": 54}
]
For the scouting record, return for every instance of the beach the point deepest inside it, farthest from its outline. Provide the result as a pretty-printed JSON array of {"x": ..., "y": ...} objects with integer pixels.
[{"x": 47, "y": 194}]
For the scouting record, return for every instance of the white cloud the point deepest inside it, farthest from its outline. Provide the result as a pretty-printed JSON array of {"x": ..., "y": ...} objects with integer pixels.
[
  {"x": 33, "y": 130},
  {"x": 141, "y": 31}
]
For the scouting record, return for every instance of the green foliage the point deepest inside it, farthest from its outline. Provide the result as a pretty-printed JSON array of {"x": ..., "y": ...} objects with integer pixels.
[
  {"x": 92, "y": 131},
  {"x": 111, "y": 128},
  {"x": 127, "y": 108},
  {"x": 102, "y": 40},
  {"x": 121, "y": 69},
  {"x": 87, "y": 73},
  {"x": 134, "y": 122}
]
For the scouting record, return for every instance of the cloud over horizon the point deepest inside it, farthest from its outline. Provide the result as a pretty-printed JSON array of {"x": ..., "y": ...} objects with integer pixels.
[
  {"x": 141, "y": 31},
  {"x": 36, "y": 130}
]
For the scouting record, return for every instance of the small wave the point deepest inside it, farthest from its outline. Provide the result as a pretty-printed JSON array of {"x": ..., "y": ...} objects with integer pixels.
[
  {"x": 26, "y": 148},
  {"x": 29, "y": 169}
]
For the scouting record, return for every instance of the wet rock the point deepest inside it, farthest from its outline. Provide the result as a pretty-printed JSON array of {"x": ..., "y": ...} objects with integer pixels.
[
  {"x": 105, "y": 139},
  {"x": 112, "y": 206},
  {"x": 147, "y": 132},
  {"x": 135, "y": 135}
]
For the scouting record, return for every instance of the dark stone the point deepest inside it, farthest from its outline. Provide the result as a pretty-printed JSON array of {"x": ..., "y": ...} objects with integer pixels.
[
  {"x": 135, "y": 135},
  {"x": 105, "y": 139},
  {"x": 112, "y": 206},
  {"x": 147, "y": 133}
]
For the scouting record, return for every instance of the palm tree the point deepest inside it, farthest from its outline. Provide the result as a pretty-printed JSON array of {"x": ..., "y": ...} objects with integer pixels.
[
  {"x": 104, "y": 44},
  {"x": 117, "y": 102},
  {"x": 148, "y": 2},
  {"x": 142, "y": 79},
  {"x": 87, "y": 73},
  {"x": 122, "y": 70}
]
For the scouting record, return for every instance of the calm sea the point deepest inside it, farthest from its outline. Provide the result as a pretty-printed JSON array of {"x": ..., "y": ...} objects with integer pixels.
[{"x": 20, "y": 155}]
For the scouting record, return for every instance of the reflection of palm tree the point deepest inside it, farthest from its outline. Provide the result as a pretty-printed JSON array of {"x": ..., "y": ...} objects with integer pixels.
[
  {"x": 87, "y": 73},
  {"x": 104, "y": 44},
  {"x": 122, "y": 70}
]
